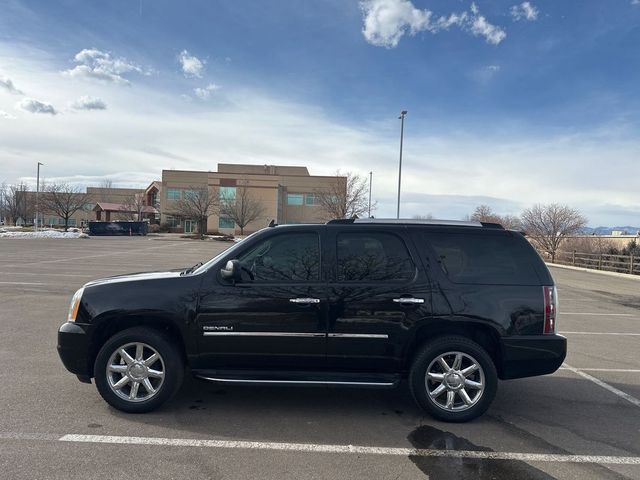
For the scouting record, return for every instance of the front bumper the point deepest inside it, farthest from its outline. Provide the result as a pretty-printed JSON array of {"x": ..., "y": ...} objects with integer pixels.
[
  {"x": 530, "y": 355},
  {"x": 73, "y": 348}
]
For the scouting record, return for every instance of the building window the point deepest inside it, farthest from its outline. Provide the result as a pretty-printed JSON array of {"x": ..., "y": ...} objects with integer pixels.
[
  {"x": 225, "y": 222},
  {"x": 72, "y": 222},
  {"x": 227, "y": 193},
  {"x": 311, "y": 199},
  {"x": 173, "y": 194},
  {"x": 173, "y": 222},
  {"x": 295, "y": 198}
]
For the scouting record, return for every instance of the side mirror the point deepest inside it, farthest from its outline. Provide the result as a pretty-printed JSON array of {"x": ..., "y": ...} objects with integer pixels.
[{"x": 231, "y": 271}]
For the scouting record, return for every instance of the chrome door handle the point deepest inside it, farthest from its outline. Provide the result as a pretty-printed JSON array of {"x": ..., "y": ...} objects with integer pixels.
[
  {"x": 408, "y": 300},
  {"x": 304, "y": 300}
]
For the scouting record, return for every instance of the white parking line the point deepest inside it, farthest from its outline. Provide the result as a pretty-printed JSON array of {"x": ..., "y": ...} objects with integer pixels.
[
  {"x": 599, "y": 314},
  {"x": 618, "y": 370},
  {"x": 606, "y": 386},
  {"x": 22, "y": 283},
  {"x": 603, "y": 333},
  {"x": 351, "y": 449}
]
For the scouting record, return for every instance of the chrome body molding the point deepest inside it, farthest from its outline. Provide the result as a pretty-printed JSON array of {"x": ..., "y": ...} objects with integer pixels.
[
  {"x": 358, "y": 335},
  {"x": 262, "y": 334},
  {"x": 209, "y": 333},
  {"x": 300, "y": 382}
]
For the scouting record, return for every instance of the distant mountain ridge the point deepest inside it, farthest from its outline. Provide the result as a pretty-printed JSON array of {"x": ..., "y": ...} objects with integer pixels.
[{"x": 607, "y": 230}]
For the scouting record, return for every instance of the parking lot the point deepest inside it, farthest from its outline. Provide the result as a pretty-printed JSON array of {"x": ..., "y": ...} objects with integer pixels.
[{"x": 582, "y": 422}]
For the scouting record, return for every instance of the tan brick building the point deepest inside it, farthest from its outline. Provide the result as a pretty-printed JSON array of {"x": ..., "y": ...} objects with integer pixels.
[{"x": 288, "y": 194}]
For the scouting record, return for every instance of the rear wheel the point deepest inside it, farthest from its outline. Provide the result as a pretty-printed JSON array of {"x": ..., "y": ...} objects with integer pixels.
[
  {"x": 137, "y": 370},
  {"x": 453, "y": 378}
]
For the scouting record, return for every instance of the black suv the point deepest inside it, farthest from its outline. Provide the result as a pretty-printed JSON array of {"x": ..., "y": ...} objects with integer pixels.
[{"x": 451, "y": 306}]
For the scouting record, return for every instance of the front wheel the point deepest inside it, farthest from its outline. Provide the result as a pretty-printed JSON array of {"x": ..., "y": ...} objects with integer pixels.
[
  {"x": 453, "y": 378},
  {"x": 137, "y": 370}
]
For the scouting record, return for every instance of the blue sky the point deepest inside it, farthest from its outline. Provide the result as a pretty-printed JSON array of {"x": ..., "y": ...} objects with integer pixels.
[{"x": 510, "y": 103}]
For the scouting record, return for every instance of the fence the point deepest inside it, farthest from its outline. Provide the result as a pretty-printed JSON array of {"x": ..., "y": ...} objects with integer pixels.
[{"x": 601, "y": 261}]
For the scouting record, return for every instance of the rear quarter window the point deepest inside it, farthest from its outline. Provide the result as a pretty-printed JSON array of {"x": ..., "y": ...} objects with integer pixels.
[{"x": 483, "y": 259}]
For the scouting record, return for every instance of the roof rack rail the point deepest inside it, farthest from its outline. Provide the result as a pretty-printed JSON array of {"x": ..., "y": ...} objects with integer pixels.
[{"x": 416, "y": 221}]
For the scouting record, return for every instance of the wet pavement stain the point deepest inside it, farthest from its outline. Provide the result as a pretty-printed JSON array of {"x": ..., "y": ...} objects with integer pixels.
[
  {"x": 94, "y": 425},
  {"x": 441, "y": 468}
]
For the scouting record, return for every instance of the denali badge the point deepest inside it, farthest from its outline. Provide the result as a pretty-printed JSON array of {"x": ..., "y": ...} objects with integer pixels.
[{"x": 217, "y": 328}]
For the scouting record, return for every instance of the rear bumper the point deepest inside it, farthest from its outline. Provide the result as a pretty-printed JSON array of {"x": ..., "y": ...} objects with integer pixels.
[
  {"x": 530, "y": 355},
  {"x": 73, "y": 348}
]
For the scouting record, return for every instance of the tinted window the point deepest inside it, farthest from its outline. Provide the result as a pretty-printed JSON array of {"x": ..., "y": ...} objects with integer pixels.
[
  {"x": 366, "y": 257},
  {"x": 293, "y": 257},
  {"x": 483, "y": 259}
]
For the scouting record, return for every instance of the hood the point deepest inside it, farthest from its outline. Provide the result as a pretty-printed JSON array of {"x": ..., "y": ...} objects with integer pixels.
[{"x": 134, "y": 277}]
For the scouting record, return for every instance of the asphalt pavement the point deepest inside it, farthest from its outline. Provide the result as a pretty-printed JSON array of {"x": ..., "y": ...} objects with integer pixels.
[{"x": 581, "y": 422}]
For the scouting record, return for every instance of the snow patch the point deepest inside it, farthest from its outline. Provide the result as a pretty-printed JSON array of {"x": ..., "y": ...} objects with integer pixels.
[{"x": 4, "y": 233}]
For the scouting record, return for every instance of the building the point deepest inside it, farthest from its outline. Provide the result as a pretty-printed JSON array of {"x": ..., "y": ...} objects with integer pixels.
[
  {"x": 94, "y": 195},
  {"x": 288, "y": 194}
]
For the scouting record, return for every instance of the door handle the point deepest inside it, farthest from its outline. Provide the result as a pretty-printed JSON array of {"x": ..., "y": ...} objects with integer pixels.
[
  {"x": 304, "y": 300},
  {"x": 408, "y": 300}
]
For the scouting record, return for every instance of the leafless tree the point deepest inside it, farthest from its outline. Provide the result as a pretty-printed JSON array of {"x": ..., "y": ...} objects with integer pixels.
[
  {"x": 198, "y": 203},
  {"x": 484, "y": 213},
  {"x": 132, "y": 207},
  {"x": 63, "y": 200},
  {"x": 17, "y": 203},
  {"x": 243, "y": 209},
  {"x": 347, "y": 197},
  {"x": 3, "y": 205},
  {"x": 550, "y": 225}
]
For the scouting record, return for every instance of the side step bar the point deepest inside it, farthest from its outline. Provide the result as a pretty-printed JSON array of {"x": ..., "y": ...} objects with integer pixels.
[{"x": 299, "y": 378}]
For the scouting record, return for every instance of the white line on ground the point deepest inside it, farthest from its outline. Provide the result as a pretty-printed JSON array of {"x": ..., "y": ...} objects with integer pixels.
[
  {"x": 603, "y": 333},
  {"x": 599, "y": 314},
  {"x": 22, "y": 283},
  {"x": 351, "y": 449},
  {"x": 619, "y": 370},
  {"x": 606, "y": 386}
]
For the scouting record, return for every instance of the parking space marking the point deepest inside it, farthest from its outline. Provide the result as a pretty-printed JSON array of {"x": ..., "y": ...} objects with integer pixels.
[
  {"x": 350, "y": 449},
  {"x": 606, "y": 386},
  {"x": 22, "y": 283},
  {"x": 602, "y": 333},
  {"x": 613, "y": 370},
  {"x": 599, "y": 314}
]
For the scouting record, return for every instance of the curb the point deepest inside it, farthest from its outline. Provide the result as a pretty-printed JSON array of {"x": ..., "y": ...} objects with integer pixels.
[{"x": 591, "y": 270}]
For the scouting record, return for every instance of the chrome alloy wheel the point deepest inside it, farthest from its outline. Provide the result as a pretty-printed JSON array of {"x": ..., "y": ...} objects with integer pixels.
[
  {"x": 133, "y": 366},
  {"x": 455, "y": 381}
]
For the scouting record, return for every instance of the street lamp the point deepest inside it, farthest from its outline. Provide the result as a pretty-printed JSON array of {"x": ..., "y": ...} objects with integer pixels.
[
  {"x": 370, "y": 182},
  {"x": 401, "y": 117},
  {"x": 37, "y": 193}
]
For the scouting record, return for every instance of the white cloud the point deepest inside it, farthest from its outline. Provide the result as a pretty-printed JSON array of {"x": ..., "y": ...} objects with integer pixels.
[
  {"x": 526, "y": 11},
  {"x": 99, "y": 65},
  {"x": 35, "y": 106},
  {"x": 485, "y": 74},
  {"x": 6, "y": 115},
  {"x": 8, "y": 85},
  {"x": 481, "y": 27},
  {"x": 635, "y": 2},
  {"x": 191, "y": 65},
  {"x": 89, "y": 103},
  {"x": 386, "y": 21},
  {"x": 205, "y": 93}
]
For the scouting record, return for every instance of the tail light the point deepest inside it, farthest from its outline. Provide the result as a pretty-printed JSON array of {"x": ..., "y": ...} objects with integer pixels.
[{"x": 550, "y": 309}]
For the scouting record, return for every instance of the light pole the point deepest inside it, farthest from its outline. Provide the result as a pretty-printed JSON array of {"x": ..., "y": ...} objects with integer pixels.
[
  {"x": 370, "y": 182},
  {"x": 401, "y": 117},
  {"x": 37, "y": 193}
]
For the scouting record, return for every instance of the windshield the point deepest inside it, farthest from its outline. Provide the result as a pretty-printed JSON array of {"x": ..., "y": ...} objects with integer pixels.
[{"x": 206, "y": 266}]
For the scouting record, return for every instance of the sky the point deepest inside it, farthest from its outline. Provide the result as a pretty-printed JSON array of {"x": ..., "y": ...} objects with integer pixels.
[{"x": 509, "y": 103}]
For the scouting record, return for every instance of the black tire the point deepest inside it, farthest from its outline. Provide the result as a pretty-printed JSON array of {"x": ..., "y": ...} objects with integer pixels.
[
  {"x": 170, "y": 361},
  {"x": 428, "y": 354}
]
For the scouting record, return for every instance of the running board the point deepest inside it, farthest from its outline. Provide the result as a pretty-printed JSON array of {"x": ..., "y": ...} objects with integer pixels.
[{"x": 299, "y": 378}]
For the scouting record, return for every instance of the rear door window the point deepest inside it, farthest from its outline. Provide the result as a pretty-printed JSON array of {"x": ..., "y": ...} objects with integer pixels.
[
  {"x": 490, "y": 259},
  {"x": 373, "y": 257}
]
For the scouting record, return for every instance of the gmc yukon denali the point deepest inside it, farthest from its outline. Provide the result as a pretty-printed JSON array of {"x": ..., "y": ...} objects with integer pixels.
[{"x": 449, "y": 306}]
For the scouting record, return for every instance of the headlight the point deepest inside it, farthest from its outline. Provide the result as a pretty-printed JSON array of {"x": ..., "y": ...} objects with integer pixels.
[{"x": 75, "y": 304}]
